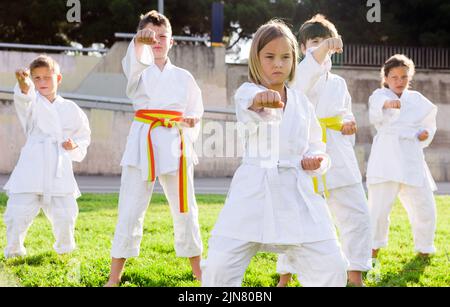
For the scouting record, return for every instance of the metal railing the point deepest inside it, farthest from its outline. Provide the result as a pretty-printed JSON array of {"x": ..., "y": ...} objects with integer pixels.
[
  {"x": 353, "y": 55},
  {"x": 34, "y": 47},
  {"x": 50, "y": 48},
  {"x": 376, "y": 55},
  {"x": 193, "y": 39},
  {"x": 113, "y": 103}
]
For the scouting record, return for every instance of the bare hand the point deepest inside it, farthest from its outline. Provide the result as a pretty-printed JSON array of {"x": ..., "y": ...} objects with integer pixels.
[
  {"x": 423, "y": 136},
  {"x": 349, "y": 128},
  {"x": 23, "y": 78},
  {"x": 69, "y": 145},
  {"x": 190, "y": 121},
  {"x": 146, "y": 37},
  {"x": 392, "y": 104},
  {"x": 335, "y": 44},
  {"x": 311, "y": 164},
  {"x": 267, "y": 99}
]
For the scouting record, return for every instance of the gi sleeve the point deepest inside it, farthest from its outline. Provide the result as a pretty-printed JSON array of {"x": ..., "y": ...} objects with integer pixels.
[
  {"x": 194, "y": 109},
  {"x": 317, "y": 147},
  {"x": 81, "y": 137},
  {"x": 23, "y": 104},
  {"x": 377, "y": 114},
  {"x": 429, "y": 124},
  {"x": 134, "y": 63},
  {"x": 249, "y": 120},
  {"x": 309, "y": 71},
  {"x": 244, "y": 99},
  {"x": 348, "y": 115}
]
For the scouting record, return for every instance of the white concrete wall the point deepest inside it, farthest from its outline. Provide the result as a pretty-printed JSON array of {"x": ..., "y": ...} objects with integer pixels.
[
  {"x": 74, "y": 68},
  {"x": 109, "y": 133},
  {"x": 435, "y": 85},
  {"x": 218, "y": 81}
]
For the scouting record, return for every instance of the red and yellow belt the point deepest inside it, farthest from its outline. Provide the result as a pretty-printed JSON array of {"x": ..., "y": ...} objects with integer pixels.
[{"x": 168, "y": 119}]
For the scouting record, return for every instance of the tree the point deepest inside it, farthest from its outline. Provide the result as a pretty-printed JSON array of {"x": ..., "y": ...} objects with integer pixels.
[
  {"x": 412, "y": 22},
  {"x": 21, "y": 21},
  {"x": 245, "y": 17}
]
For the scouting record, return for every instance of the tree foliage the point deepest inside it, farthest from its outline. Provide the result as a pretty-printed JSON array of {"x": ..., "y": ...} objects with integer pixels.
[{"x": 412, "y": 22}]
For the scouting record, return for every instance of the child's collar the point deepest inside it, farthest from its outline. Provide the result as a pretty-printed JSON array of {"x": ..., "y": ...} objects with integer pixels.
[
  {"x": 58, "y": 98},
  {"x": 403, "y": 95},
  {"x": 167, "y": 66}
]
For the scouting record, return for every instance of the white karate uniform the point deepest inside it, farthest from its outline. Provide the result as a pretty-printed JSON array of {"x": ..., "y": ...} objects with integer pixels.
[
  {"x": 271, "y": 203},
  {"x": 152, "y": 89},
  {"x": 43, "y": 177},
  {"x": 397, "y": 166},
  {"x": 347, "y": 200}
]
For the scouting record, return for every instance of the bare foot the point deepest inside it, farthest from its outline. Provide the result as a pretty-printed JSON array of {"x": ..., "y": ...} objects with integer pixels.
[
  {"x": 375, "y": 253},
  {"x": 355, "y": 279},
  {"x": 112, "y": 284},
  {"x": 284, "y": 280},
  {"x": 117, "y": 265},
  {"x": 196, "y": 270}
]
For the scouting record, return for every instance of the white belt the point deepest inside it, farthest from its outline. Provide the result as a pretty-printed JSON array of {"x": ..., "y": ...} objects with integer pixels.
[
  {"x": 402, "y": 132},
  {"x": 272, "y": 178},
  {"x": 48, "y": 178}
]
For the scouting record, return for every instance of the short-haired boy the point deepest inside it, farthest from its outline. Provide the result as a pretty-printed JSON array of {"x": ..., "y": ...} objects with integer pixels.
[{"x": 58, "y": 133}]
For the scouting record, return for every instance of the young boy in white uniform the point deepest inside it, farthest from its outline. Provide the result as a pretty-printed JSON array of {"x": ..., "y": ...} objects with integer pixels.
[
  {"x": 57, "y": 133},
  {"x": 168, "y": 106}
]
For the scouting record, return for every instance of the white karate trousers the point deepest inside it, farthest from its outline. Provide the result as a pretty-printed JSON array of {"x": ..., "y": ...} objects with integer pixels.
[
  {"x": 349, "y": 208},
  {"x": 319, "y": 264},
  {"x": 21, "y": 210},
  {"x": 134, "y": 198},
  {"x": 421, "y": 208}
]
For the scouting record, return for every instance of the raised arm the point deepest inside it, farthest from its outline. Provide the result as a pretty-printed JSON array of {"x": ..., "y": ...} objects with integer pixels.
[
  {"x": 139, "y": 56},
  {"x": 327, "y": 47},
  {"x": 24, "y": 95},
  {"x": 255, "y": 103},
  {"x": 316, "y": 63}
]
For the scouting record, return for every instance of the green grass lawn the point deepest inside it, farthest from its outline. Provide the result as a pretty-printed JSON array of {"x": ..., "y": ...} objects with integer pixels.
[{"x": 158, "y": 266}]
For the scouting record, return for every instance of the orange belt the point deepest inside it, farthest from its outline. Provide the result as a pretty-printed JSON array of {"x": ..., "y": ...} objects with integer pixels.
[{"x": 168, "y": 119}]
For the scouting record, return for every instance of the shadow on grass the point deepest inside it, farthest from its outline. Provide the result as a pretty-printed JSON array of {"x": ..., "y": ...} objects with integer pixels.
[
  {"x": 274, "y": 277},
  {"x": 410, "y": 273},
  {"x": 141, "y": 280},
  {"x": 97, "y": 202},
  {"x": 35, "y": 260}
]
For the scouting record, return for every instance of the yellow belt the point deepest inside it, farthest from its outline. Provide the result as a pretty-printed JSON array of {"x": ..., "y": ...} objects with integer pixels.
[
  {"x": 168, "y": 119},
  {"x": 333, "y": 123}
]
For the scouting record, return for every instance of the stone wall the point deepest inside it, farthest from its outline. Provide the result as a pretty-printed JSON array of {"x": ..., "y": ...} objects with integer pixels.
[{"x": 103, "y": 77}]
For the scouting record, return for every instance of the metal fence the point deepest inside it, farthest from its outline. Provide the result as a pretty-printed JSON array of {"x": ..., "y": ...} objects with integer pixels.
[
  {"x": 376, "y": 55},
  {"x": 190, "y": 39},
  {"x": 91, "y": 51},
  {"x": 353, "y": 55},
  {"x": 49, "y": 48}
]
